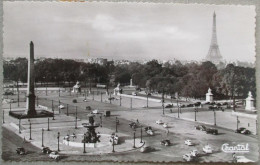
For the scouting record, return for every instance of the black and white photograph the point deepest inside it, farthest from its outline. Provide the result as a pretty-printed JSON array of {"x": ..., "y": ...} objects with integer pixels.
[{"x": 129, "y": 82}]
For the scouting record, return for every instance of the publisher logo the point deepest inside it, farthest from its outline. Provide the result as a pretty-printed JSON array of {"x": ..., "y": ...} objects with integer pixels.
[{"x": 235, "y": 148}]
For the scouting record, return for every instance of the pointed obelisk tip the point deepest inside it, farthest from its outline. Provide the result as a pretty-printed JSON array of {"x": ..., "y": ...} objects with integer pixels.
[
  {"x": 31, "y": 43},
  {"x": 214, "y": 14}
]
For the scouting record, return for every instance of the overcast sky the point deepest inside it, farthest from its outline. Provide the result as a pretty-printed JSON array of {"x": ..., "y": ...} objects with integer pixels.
[{"x": 127, "y": 30}]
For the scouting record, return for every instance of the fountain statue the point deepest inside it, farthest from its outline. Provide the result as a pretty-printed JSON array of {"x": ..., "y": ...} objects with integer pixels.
[{"x": 91, "y": 135}]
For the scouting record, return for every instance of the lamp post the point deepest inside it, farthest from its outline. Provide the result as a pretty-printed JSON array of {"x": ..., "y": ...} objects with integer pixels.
[
  {"x": 85, "y": 94},
  {"x": 37, "y": 99},
  {"x": 19, "y": 124},
  {"x": 10, "y": 106},
  {"x": 52, "y": 109},
  {"x": 256, "y": 127},
  {"x": 84, "y": 143},
  {"x": 101, "y": 96},
  {"x": 42, "y": 137},
  {"x": 178, "y": 108},
  {"x": 163, "y": 107},
  {"x": 116, "y": 124},
  {"x": 59, "y": 91},
  {"x": 147, "y": 100},
  {"x": 131, "y": 101},
  {"x": 93, "y": 92},
  {"x": 237, "y": 122},
  {"x": 48, "y": 129},
  {"x": 30, "y": 131},
  {"x": 67, "y": 109},
  {"x": 120, "y": 99},
  {"x": 101, "y": 120},
  {"x": 18, "y": 94},
  {"x": 215, "y": 120},
  {"x": 58, "y": 137},
  {"x": 195, "y": 114},
  {"x": 3, "y": 116},
  {"x": 141, "y": 134},
  {"x": 113, "y": 143},
  {"x": 59, "y": 107},
  {"x": 110, "y": 97},
  {"x": 134, "y": 140}
]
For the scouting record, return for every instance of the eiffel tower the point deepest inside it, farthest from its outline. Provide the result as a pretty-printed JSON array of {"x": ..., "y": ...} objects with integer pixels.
[{"x": 214, "y": 54}]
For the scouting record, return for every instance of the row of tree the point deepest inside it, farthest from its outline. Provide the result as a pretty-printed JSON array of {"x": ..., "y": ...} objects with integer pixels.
[{"x": 189, "y": 80}]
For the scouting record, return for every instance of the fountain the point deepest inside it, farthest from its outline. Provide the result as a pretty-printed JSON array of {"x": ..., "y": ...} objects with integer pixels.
[{"x": 91, "y": 135}]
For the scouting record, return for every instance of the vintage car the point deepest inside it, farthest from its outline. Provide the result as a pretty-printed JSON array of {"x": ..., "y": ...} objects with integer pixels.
[
  {"x": 201, "y": 127},
  {"x": 115, "y": 138},
  {"x": 187, "y": 157},
  {"x": 133, "y": 125},
  {"x": 146, "y": 149},
  {"x": 61, "y": 106},
  {"x": 207, "y": 149},
  {"x": 149, "y": 132},
  {"x": 241, "y": 159},
  {"x": 165, "y": 142},
  {"x": 194, "y": 153},
  {"x": 46, "y": 150},
  {"x": 54, "y": 155},
  {"x": 148, "y": 128},
  {"x": 165, "y": 125},
  {"x": 188, "y": 142},
  {"x": 212, "y": 131},
  {"x": 159, "y": 122},
  {"x": 20, "y": 151}
]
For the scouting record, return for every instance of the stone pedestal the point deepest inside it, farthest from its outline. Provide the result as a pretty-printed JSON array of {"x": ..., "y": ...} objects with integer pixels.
[
  {"x": 209, "y": 96},
  {"x": 250, "y": 102}
]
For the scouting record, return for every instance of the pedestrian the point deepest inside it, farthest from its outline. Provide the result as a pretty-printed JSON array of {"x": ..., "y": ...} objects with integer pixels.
[
  {"x": 137, "y": 121},
  {"x": 248, "y": 125}
]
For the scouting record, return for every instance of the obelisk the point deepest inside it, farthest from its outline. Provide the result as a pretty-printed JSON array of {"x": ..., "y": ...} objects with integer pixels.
[{"x": 30, "y": 101}]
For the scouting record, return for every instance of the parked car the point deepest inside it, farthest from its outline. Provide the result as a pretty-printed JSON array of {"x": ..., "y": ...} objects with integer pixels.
[
  {"x": 115, "y": 138},
  {"x": 201, "y": 127},
  {"x": 246, "y": 132},
  {"x": 159, "y": 122},
  {"x": 239, "y": 130},
  {"x": 107, "y": 113},
  {"x": 190, "y": 105},
  {"x": 133, "y": 125},
  {"x": 146, "y": 149},
  {"x": 148, "y": 128},
  {"x": 188, "y": 142},
  {"x": 197, "y": 104},
  {"x": 212, "y": 131},
  {"x": 165, "y": 142},
  {"x": 149, "y": 132},
  {"x": 46, "y": 150},
  {"x": 241, "y": 159},
  {"x": 169, "y": 106},
  {"x": 194, "y": 153},
  {"x": 54, "y": 155},
  {"x": 207, "y": 149},
  {"x": 61, "y": 106},
  {"x": 20, "y": 151},
  {"x": 165, "y": 125},
  {"x": 96, "y": 111},
  {"x": 187, "y": 157},
  {"x": 8, "y": 92},
  {"x": 134, "y": 93}
]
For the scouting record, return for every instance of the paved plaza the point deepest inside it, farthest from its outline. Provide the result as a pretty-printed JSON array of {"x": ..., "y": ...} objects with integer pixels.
[{"x": 179, "y": 130}]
